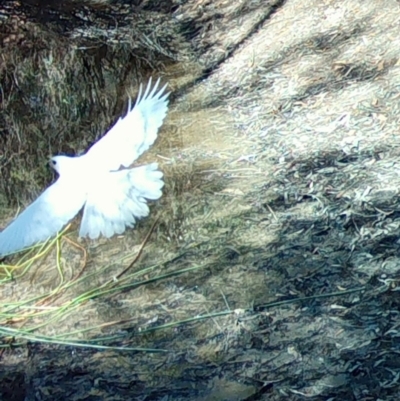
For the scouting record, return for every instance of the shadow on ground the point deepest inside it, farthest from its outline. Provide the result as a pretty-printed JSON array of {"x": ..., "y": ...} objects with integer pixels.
[{"x": 334, "y": 333}]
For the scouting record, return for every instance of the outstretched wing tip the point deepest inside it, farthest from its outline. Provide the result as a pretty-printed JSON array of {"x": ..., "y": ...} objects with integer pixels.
[{"x": 135, "y": 131}]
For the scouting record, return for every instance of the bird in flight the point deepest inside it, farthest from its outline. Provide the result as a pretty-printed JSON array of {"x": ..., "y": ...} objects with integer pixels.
[{"x": 112, "y": 195}]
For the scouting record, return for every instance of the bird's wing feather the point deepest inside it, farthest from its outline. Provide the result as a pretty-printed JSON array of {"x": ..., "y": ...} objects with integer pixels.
[
  {"x": 119, "y": 200},
  {"x": 43, "y": 218},
  {"x": 134, "y": 133}
]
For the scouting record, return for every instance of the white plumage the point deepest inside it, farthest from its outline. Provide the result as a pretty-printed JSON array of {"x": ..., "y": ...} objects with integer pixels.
[{"x": 112, "y": 198}]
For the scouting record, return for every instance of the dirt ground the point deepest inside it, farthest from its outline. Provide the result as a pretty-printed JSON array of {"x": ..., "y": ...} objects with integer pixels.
[{"x": 275, "y": 248}]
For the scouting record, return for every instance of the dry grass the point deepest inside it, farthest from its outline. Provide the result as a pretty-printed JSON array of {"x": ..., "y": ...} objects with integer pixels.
[
  {"x": 282, "y": 197},
  {"x": 57, "y": 84}
]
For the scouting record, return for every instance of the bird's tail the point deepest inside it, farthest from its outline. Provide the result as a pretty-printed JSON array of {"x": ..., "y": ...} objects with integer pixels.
[
  {"x": 146, "y": 181},
  {"x": 119, "y": 200}
]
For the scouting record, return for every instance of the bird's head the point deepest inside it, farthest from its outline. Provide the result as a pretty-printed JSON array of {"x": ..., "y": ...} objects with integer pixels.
[{"x": 61, "y": 163}]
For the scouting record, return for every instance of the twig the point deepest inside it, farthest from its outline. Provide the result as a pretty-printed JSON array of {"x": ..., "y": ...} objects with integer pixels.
[
  {"x": 80, "y": 247},
  {"x": 118, "y": 276}
]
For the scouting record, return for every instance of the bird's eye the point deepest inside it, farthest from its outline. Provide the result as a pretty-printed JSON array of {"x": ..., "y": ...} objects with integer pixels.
[{"x": 53, "y": 162}]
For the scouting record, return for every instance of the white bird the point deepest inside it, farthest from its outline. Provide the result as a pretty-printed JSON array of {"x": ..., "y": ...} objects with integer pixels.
[{"x": 112, "y": 196}]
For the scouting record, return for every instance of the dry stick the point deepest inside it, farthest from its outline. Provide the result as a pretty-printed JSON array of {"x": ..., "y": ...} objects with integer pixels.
[
  {"x": 272, "y": 212},
  {"x": 112, "y": 281},
  {"x": 76, "y": 245},
  {"x": 140, "y": 250},
  {"x": 55, "y": 296}
]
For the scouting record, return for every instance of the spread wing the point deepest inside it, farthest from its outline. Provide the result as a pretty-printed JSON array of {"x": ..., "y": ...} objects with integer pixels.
[
  {"x": 119, "y": 200},
  {"x": 43, "y": 218},
  {"x": 134, "y": 133}
]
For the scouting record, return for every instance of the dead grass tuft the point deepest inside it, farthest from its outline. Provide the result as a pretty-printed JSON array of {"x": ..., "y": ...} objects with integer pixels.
[{"x": 56, "y": 85}]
